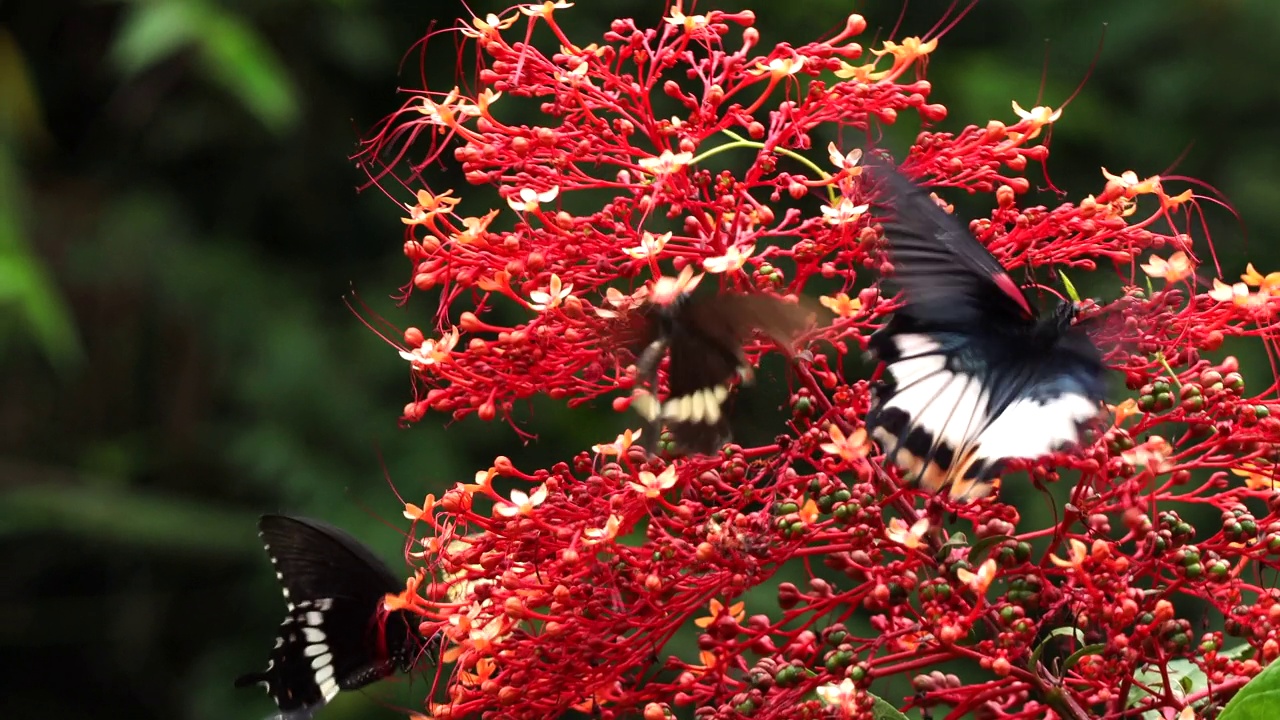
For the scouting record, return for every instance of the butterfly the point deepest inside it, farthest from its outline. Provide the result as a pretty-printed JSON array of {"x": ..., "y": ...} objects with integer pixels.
[
  {"x": 335, "y": 635},
  {"x": 974, "y": 375},
  {"x": 703, "y": 336}
]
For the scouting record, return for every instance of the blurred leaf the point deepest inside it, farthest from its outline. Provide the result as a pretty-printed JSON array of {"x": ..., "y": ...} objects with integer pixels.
[
  {"x": 21, "y": 119},
  {"x": 25, "y": 288},
  {"x": 232, "y": 53},
  {"x": 1258, "y": 700},
  {"x": 170, "y": 523},
  {"x": 236, "y": 56},
  {"x": 153, "y": 31}
]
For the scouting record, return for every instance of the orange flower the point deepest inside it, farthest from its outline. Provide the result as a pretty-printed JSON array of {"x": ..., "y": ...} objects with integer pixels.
[
  {"x": 413, "y": 512},
  {"x": 841, "y": 304},
  {"x": 1125, "y": 410},
  {"x": 428, "y": 206},
  {"x": 1257, "y": 474},
  {"x": 911, "y": 537},
  {"x": 850, "y": 449},
  {"x": 1077, "y": 553},
  {"x": 979, "y": 582},
  {"x": 809, "y": 512},
  {"x": 408, "y": 598},
  {"x": 1267, "y": 285},
  {"x": 733, "y": 259},
  {"x": 734, "y": 611},
  {"x": 620, "y": 445},
  {"x": 595, "y": 536}
]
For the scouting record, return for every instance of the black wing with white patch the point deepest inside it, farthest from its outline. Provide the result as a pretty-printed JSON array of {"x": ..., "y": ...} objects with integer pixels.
[
  {"x": 704, "y": 336},
  {"x": 335, "y": 635},
  {"x": 973, "y": 375}
]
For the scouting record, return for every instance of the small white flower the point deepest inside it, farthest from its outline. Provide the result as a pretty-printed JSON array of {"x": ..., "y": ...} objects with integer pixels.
[{"x": 528, "y": 199}]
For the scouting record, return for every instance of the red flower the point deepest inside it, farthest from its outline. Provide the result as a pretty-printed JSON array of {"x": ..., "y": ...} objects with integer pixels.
[{"x": 548, "y": 604}]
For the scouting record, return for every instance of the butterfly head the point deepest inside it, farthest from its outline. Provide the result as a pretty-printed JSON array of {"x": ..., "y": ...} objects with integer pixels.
[{"x": 1048, "y": 329}]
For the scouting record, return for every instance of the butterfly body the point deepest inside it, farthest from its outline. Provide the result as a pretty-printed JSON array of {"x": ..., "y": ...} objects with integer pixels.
[
  {"x": 703, "y": 336},
  {"x": 335, "y": 635},
  {"x": 974, "y": 374}
]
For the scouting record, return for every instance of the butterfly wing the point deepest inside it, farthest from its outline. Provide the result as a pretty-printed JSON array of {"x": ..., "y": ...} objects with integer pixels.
[
  {"x": 947, "y": 275},
  {"x": 704, "y": 336},
  {"x": 334, "y": 635},
  {"x": 972, "y": 376}
]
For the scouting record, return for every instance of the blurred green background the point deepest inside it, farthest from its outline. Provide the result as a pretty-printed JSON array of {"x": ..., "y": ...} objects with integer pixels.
[{"x": 179, "y": 221}]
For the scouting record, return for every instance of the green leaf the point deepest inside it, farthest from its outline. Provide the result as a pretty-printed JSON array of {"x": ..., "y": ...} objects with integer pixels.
[
  {"x": 1185, "y": 677},
  {"x": 1071, "y": 289},
  {"x": 1056, "y": 632},
  {"x": 882, "y": 710},
  {"x": 1257, "y": 700}
]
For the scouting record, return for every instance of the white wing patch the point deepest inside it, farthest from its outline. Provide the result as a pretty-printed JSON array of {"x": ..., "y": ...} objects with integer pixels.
[{"x": 952, "y": 410}]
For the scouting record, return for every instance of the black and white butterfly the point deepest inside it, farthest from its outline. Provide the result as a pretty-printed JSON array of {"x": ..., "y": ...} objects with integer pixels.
[
  {"x": 974, "y": 375},
  {"x": 336, "y": 635},
  {"x": 704, "y": 335}
]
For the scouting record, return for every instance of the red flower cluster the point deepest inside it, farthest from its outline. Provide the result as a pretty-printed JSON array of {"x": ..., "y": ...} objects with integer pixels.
[{"x": 564, "y": 594}]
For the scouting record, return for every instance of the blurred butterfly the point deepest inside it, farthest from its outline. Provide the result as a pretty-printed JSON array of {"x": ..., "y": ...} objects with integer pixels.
[
  {"x": 974, "y": 375},
  {"x": 335, "y": 635},
  {"x": 703, "y": 335}
]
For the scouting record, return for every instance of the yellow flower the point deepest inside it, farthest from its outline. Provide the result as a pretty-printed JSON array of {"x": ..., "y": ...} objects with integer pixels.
[
  {"x": 1177, "y": 268},
  {"x": 779, "y": 67},
  {"x": 911, "y": 537},
  {"x": 431, "y": 351},
  {"x": 665, "y": 290},
  {"x": 843, "y": 695},
  {"x": 620, "y": 445},
  {"x": 652, "y": 486},
  {"x": 1038, "y": 116},
  {"x": 732, "y": 260},
  {"x": 1153, "y": 454},
  {"x": 1132, "y": 185},
  {"x": 549, "y": 299},
  {"x": 522, "y": 503},
  {"x": 688, "y": 22},
  {"x": 528, "y": 199},
  {"x": 1257, "y": 474},
  {"x": 979, "y": 582},
  {"x": 666, "y": 163},
  {"x": 848, "y": 161},
  {"x": 842, "y": 212},
  {"x": 1267, "y": 285},
  {"x": 650, "y": 246},
  {"x": 489, "y": 26},
  {"x": 1077, "y": 553},
  {"x": 595, "y": 536},
  {"x": 545, "y": 9},
  {"x": 475, "y": 228},
  {"x": 428, "y": 206}
]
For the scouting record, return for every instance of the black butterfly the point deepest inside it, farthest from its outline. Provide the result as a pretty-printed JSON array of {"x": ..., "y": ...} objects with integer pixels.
[
  {"x": 335, "y": 635},
  {"x": 974, "y": 375},
  {"x": 704, "y": 336}
]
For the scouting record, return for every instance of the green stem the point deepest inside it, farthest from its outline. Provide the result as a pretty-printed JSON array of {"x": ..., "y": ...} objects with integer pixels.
[{"x": 741, "y": 142}]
